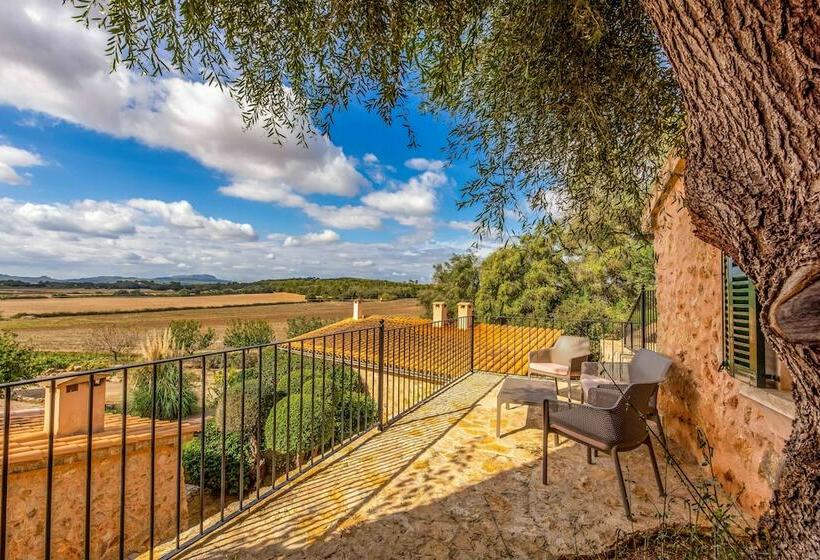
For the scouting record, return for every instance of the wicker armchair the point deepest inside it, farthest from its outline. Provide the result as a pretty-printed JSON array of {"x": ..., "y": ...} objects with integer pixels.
[
  {"x": 563, "y": 360},
  {"x": 646, "y": 367},
  {"x": 607, "y": 423}
]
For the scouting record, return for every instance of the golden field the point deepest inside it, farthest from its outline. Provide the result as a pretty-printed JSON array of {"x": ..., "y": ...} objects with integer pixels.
[
  {"x": 110, "y": 304},
  {"x": 70, "y": 333}
]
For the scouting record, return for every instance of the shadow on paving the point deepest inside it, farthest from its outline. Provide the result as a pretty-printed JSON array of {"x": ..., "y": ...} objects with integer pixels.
[
  {"x": 316, "y": 505},
  {"x": 439, "y": 484}
]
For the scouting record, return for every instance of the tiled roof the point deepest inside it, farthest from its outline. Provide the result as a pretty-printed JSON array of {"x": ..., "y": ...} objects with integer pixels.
[
  {"x": 417, "y": 344},
  {"x": 28, "y": 442}
]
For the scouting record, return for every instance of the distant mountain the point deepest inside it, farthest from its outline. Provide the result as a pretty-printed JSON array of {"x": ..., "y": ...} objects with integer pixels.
[{"x": 181, "y": 278}]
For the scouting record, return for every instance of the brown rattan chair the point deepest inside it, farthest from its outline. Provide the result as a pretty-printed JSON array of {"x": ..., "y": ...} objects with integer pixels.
[
  {"x": 608, "y": 422},
  {"x": 563, "y": 360},
  {"x": 646, "y": 367}
]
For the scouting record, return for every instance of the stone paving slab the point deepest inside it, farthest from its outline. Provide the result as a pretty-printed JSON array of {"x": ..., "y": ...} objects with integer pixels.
[{"x": 439, "y": 484}]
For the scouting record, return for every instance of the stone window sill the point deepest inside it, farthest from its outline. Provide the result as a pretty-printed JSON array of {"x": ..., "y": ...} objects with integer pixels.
[{"x": 777, "y": 401}]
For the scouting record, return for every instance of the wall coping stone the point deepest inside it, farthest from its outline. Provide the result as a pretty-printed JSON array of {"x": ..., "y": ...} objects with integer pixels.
[{"x": 777, "y": 401}]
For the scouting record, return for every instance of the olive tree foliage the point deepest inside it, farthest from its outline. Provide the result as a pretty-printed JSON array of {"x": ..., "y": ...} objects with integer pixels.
[{"x": 567, "y": 106}]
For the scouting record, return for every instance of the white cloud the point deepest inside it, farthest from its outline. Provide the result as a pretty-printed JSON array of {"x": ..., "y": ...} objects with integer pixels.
[
  {"x": 51, "y": 64},
  {"x": 11, "y": 158},
  {"x": 154, "y": 238},
  {"x": 424, "y": 164},
  {"x": 461, "y": 225},
  {"x": 320, "y": 238},
  {"x": 182, "y": 215},
  {"x": 344, "y": 217}
]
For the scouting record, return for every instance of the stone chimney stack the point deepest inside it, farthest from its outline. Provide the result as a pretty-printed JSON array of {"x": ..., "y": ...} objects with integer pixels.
[
  {"x": 358, "y": 310},
  {"x": 439, "y": 313},
  {"x": 465, "y": 314},
  {"x": 71, "y": 405}
]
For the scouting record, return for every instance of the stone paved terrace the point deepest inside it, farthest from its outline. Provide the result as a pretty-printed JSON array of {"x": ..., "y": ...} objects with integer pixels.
[{"x": 438, "y": 484}]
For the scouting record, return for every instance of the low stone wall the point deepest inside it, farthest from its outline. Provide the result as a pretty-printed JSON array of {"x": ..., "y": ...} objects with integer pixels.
[
  {"x": 27, "y": 497},
  {"x": 747, "y": 437}
]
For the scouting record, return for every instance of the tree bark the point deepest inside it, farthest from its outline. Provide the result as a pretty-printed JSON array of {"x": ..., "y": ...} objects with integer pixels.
[{"x": 749, "y": 71}]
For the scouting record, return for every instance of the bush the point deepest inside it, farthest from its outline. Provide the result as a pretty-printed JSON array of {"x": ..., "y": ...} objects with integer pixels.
[
  {"x": 167, "y": 393},
  {"x": 356, "y": 411},
  {"x": 62, "y": 361},
  {"x": 316, "y": 426},
  {"x": 212, "y": 465},
  {"x": 187, "y": 335},
  {"x": 241, "y": 333},
  {"x": 301, "y": 325},
  {"x": 253, "y": 411},
  {"x": 16, "y": 360}
]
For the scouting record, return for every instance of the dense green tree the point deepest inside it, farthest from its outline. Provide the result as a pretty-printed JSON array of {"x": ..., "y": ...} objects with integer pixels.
[
  {"x": 16, "y": 360},
  {"x": 247, "y": 332},
  {"x": 453, "y": 281},
  {"x": 525, "y": 278},
  {"x": 568, "y": 103},
  {"x": 189, "y": 336}
]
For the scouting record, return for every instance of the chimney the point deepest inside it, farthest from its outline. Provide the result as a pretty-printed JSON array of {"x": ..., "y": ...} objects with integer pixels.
[
  {"x": 439, "y": 313},
  {"x": 71, "y": 404},
  {"x": 358, "y": 311},
  {"x": 465, "y": 314}
]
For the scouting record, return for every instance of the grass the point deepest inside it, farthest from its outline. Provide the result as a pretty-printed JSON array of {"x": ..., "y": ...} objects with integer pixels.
[
  {"x": 70, "y": 333},
  {"x": 53, "y": 306}
]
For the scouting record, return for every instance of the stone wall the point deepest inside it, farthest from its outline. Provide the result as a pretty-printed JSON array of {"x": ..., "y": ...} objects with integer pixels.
[
  {"x": 27, "y": 499},
  {"x": 747, "y": 437}
]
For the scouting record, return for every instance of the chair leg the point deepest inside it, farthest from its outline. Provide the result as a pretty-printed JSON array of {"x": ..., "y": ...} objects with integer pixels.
[
  {"x": 498, "y": 420},
  {"x": 621, "y": 485},
  {"x": 661, "y": 433},
  {"x": 545, "y": 438},
  {"x": 589, "y": 456},
  {"x": 655, "y": 467},
  {"x": 569, "y": 388}
]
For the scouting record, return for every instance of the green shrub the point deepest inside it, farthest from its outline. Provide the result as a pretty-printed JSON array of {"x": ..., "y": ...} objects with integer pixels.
[
  {"x": 253, "y": 410},
  {"x": 167, "y": 393},
  {"x": 241, "y": 333},
  {"x": 316, "y": 426},
  {"x": 301, "y": 325},
  {"x": 16, "y": 360},
  {"x": 354, "y": 411},
  {"x": 189, "y": 337},
  {"x": 212, "y": 465},
  {"x": 60, "y": 361}
]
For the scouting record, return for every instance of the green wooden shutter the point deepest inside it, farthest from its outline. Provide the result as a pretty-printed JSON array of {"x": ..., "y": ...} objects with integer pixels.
[{"x": 743, "y": 340}]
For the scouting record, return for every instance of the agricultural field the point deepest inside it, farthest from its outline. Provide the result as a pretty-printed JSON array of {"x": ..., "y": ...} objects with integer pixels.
[
  {"x": 70, "y": 333},
  {"x": 50, "y": 304}
]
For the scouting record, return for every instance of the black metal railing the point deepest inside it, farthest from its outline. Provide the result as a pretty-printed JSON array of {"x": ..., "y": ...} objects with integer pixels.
[
  {"x": 641, "y": 327},
  {"x": 239, "y": 423}
]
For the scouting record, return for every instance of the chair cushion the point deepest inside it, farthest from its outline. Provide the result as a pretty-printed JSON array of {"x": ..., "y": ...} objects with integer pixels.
[
  {"x": 548, "y": 369},
  {"x": 590, "y": 381}
]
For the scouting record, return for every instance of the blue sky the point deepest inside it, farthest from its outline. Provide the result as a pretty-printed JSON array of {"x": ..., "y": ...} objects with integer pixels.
[{"x": 115, "y": 173}]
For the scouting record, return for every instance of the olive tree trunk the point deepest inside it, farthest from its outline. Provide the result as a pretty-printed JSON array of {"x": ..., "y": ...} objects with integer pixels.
[{"x": 749, "y": 71}]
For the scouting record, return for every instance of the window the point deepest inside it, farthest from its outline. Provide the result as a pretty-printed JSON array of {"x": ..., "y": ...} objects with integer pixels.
[{"x": 744, "y": 345}]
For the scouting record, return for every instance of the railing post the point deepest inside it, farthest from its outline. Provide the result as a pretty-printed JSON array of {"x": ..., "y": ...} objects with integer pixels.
[
  {"x": 643, "y": 317},
  {"x": 381, "y": 375},
  {"x": 471, "y": 318}
]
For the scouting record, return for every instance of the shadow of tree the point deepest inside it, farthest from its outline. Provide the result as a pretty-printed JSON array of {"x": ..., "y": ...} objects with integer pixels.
[{"x": 438, "y": 484}]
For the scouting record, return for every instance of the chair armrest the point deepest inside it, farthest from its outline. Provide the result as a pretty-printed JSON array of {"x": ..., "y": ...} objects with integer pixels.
[
  {"x": 541, "y": 356},
  {"x": 575, "y": 363},
  {"x": 589, "y": 369},
  {"x": 603, "y": 396}
]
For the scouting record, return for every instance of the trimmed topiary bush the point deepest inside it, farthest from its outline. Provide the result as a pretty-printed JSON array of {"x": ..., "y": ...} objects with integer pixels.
[
  {"x": 357, "y": 411},
  {"x": 212, "y": 465},
  {"x": 253, "y": 409},
  {"x": 316, "y": 426}
]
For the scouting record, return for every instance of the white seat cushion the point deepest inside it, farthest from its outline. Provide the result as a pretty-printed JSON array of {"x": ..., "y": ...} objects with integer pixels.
[
  {"x": 548, "y": 369},
  {"x": 590, "y": 381}
]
